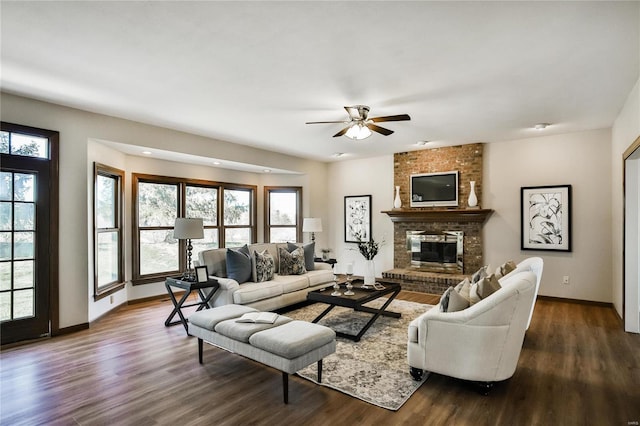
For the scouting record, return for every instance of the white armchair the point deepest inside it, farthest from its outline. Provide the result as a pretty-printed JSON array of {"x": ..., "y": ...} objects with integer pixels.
[{"x": 481, "y": 343}]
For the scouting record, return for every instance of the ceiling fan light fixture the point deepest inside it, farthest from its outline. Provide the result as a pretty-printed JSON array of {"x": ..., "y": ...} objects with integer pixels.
[{"x": 358, "y": 132}]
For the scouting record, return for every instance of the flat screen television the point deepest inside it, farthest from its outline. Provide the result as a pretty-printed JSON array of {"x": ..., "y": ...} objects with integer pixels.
[{"x": 434, "y": 189}]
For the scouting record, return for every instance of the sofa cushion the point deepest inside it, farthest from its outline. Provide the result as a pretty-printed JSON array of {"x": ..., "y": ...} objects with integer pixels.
[
  {"x": 215, "y": 261},
  {"x": 309, "y": 253},
  {"x": 239, "y": 264},
  {"x": 487, "y": 286},
  {"x": 265, "y": 266},
  {"x": 291, "y": 283},
  {"x": 291, "y": 263},
  {"x": 252, "y": 292},
  {"x": 319, "y": 276},
  {"x": 293, "y": 339}
]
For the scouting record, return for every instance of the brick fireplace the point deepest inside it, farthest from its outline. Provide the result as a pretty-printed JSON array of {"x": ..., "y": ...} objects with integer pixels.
[{"x": 467, "y": 160}]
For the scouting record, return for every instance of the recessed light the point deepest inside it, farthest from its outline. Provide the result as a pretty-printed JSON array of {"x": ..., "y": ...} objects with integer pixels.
[
  {"x": 422, "y": 143},
  {"x": 541, "y": 126},
  {"x": 146, "y": 152},
  {"x": 216, "y": 163},
  {"x": 337, "y": 154},
  {"x": 267, "y": 170}
]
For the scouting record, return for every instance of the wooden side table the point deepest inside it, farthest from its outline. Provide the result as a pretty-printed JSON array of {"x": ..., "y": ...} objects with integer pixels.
[{"x": 189, "y": 287}]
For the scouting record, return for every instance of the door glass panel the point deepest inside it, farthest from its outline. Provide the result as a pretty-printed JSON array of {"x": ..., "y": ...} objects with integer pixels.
[
  {"x": 158, "y": 251},
  {"x": 5, "y": 245},
  {"x": 107, "y": 257},
  {"x": 5, "y": 275},
  {"x": 5, "y": 306},
  {"x": 23, "y": 187},
  {"x": 23, "y": 303},
  {"x": 25, "y": 216},
  {"x": 24, "y": 274},
  {"x": 5, "y": 216},
  {"x": 30, "y": 146},
  {"x": 23, "y": 246},
  {"x": 6, "y": 186},
  {"x": 4, "y": 142}
]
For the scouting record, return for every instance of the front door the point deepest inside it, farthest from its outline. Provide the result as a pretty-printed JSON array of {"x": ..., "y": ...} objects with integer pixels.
[{"x": 25, "y": 232}]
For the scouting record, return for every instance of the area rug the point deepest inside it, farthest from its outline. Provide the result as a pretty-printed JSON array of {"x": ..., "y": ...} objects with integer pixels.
[{"x": 374, "y": 369}]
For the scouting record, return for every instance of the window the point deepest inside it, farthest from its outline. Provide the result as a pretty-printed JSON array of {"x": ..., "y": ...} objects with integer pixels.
[
  {"x": 158, "y": 200},
  {"x": 283, "y": 214},
  {"x": 108, "y": 232}
]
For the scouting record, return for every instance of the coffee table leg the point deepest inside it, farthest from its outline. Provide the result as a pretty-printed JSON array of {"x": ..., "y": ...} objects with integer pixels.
[
  {"x": 325, "y": 312},
  {"x": 378, "y": 312}
]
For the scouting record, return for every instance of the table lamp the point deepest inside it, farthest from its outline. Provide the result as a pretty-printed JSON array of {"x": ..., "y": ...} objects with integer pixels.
[{"x": 187, "y": 228}]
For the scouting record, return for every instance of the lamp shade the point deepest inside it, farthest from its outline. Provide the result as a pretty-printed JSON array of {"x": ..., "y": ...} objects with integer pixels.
[
  {"x": 188, "y": 228},
  {"x": 312, "y": 224}
]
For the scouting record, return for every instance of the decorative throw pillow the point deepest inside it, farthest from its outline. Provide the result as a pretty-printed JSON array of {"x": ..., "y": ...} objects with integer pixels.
[
  {"x": 265, "y": 266},
  {"x": 239, "y": 264},
  {"x": 480, "y": 274},
  {"x": 487, "y": 286},
  {"x": 292, "y": 263},
  {"x": 309, "y": 250},
  {"x": 451, "y": 301},
  {"x": 505, "y": 269},
  {"x": 464, "y": 288}
]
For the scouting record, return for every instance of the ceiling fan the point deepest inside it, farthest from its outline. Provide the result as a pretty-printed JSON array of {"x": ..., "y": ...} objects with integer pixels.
[{"x": 359, "y": 125}]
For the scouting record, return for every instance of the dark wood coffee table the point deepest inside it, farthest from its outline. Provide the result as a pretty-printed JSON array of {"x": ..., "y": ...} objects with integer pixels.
[{"x": 356, "y": 302}]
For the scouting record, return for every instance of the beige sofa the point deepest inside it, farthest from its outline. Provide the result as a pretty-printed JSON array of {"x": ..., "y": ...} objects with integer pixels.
[
  {"x": 481, "y": 343},
  {"x": 281, "y": 291}
]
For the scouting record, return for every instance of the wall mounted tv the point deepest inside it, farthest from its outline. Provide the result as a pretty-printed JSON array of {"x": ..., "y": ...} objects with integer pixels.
[{"x": 434, "y": 189}]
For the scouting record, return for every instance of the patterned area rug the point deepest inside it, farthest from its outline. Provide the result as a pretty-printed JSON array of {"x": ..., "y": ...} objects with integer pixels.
[{"x": 374, "y": 369}]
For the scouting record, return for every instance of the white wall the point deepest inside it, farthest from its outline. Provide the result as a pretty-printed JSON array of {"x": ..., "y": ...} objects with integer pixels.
[
  {"x": 371, "y": 176},
  {"x": 579, "y": 159},
  {"x": 76, "y": 129}
]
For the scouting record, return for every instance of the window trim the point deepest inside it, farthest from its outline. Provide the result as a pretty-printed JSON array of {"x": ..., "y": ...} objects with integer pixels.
[
  {"x": 267, "y": 216},
  {"x": 100, "y": 292},
  {"x": 182, "y": 183}
]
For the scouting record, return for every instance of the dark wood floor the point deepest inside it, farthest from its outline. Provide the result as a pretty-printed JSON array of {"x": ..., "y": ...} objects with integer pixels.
[{"x": 577, "y": 367}]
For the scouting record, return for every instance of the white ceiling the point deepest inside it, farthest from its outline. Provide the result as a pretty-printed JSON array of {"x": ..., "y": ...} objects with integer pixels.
[{"x": 254, "y": 72}]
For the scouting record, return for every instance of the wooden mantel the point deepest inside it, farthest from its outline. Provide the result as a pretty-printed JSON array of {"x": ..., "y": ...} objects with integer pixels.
[{"x": 439, "y": 215}]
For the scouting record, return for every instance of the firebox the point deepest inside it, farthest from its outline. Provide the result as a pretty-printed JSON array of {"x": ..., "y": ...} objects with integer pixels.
[{"x": 436, "y": 252}]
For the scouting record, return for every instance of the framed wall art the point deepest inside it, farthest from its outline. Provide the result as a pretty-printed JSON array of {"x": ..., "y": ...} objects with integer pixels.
[
  {"x": 357, "y": 218},
  {"x": 546, "y": 217}
]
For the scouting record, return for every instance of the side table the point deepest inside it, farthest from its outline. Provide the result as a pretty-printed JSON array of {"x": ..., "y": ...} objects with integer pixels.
[
  {"x": 188, "y": 287},
  {"x": 329, "y": 261}
]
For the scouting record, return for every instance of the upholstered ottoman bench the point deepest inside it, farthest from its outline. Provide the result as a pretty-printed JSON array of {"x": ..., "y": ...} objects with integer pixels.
[{"x": 286, "y": 344}]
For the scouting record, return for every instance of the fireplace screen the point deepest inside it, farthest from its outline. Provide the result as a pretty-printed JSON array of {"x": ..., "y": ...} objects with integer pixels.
[{"x": 436, "y": 252}]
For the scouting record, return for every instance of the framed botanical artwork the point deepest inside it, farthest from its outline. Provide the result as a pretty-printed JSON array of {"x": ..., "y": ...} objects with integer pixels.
[
  {"x": 357, "y": 218},
  {"x": 202, "y": 275},
  {"x": 546, "y": 217}
]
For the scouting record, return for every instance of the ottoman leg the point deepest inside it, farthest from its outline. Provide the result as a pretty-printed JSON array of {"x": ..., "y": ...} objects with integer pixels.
[
  {"x": 320, "y": 371},
  {"x": 285, "y": 387},
  {"x": 200, "y": 350}
]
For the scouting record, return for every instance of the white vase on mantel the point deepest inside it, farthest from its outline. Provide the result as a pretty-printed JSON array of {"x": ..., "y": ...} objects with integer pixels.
[
  {"x": 397, "y": 203},
  {"x": 473, "y": 199}
]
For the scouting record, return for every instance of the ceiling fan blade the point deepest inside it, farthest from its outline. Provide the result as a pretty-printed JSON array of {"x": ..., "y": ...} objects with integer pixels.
[
  {"x": 342, "y": 132},
  {"x": 326, "y": 122},
  {"x": 400, "y": 117},
  {"x": 379, "y": 129}
]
